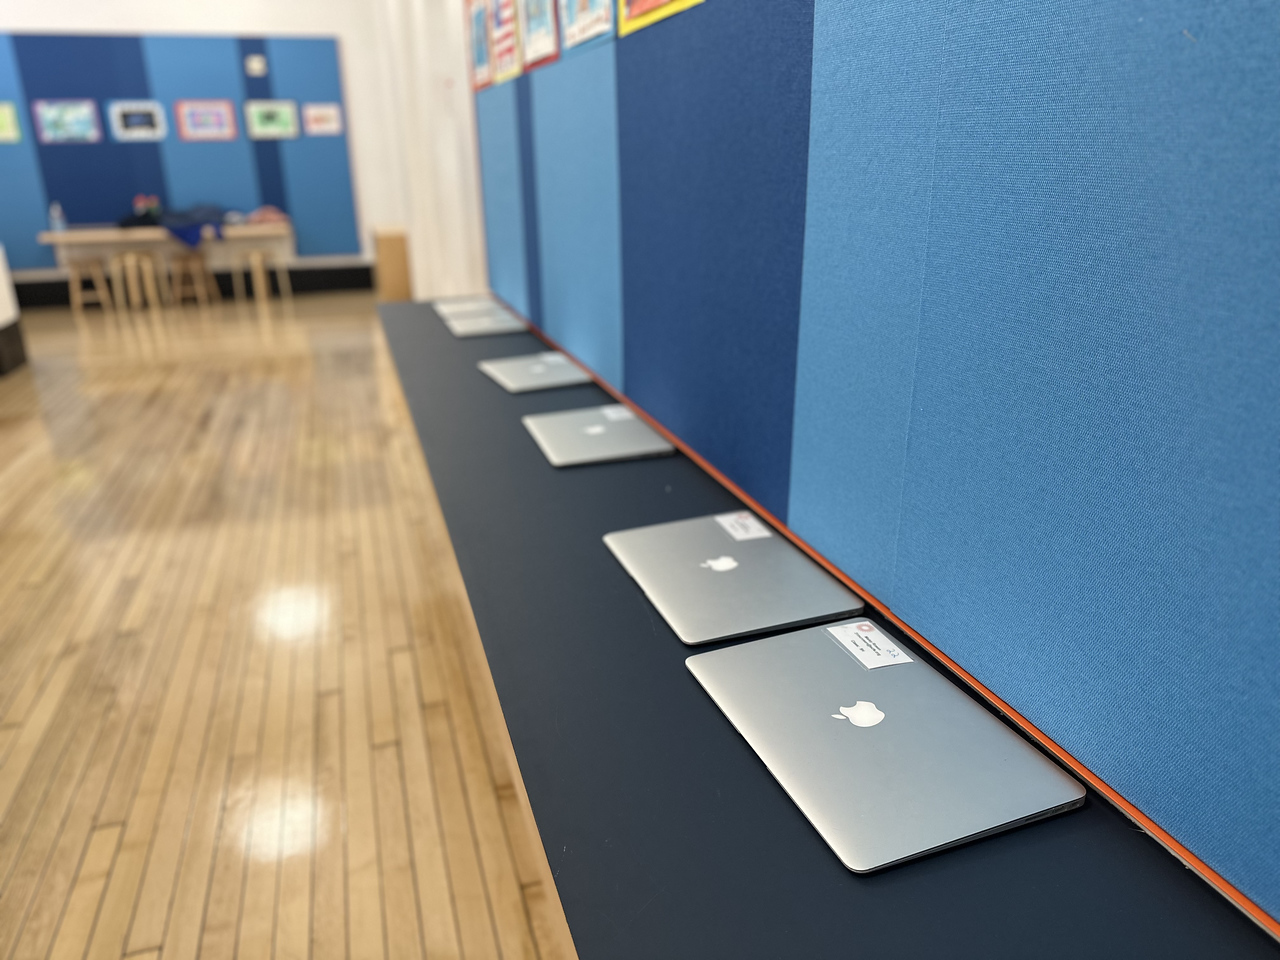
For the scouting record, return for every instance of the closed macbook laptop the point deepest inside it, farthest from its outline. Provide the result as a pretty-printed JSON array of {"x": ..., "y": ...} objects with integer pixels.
[
  {"x": 594, "y": 435},
  {"x": 728, "y": 575},
  {"x": 888, "y": 759},
  {"x": 537, "y": 371},
  {"x": 481, "y": 321},
  {"x": 463, "y": 304}
]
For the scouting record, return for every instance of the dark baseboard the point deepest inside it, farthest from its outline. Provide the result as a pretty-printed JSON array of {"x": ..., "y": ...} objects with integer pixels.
[
  {"x": 53, "y": 293},
  {"x": 13, "y": 352}
]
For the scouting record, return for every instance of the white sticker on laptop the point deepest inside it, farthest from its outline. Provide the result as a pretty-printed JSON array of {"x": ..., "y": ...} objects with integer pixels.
[
  {"x": 864, "y": 640},
  {"x": 743, "y": 525},
  {"x": 617, "y": 412}
]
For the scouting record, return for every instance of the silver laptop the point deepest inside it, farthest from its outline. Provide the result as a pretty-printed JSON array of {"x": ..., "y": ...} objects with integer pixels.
[
  {"x": 594, "y": 435},
  {"x": 481, "y": 321},
  {"x": 537, "y": 371},
  {"x": 463, "y": 304},
  {"x": 887, "y": 758},
  {"x": 728, "y": 575}
]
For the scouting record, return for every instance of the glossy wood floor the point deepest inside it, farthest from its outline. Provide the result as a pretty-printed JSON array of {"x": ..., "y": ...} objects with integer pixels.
[{"x": 243, "y": 707}]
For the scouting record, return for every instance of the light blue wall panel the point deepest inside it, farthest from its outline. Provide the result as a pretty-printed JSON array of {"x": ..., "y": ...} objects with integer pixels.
[
  {"x": 1090, "y": 515},
  {"x": 575, "y": 139},
  {"x": 500, "y": 177},
  {"x": 876, "y": 74},
  {"x": 24, "y": 209},
  {"x": 316, "y": 170},
  {"x": 202, "y": 68}
]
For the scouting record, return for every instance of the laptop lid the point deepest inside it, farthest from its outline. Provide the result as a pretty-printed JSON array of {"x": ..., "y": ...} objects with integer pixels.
[
  {"x": 594, "y": 435},
  {"x": 537, "y": 371},
  {"x": 483, "y": 323},
  {"x": 463, "y": 304},
  {"x": 888, "y": 759},
  {"x": 728, "y": 575}
]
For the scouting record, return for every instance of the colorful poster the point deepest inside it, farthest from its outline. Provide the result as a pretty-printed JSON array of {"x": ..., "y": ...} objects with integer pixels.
[
  {"x": 322, "y": 119},
  {"x": 580, "y": 20},
  {"x": 67, "y": 121},
  {"x": 538, "y": 31},
  {"x": 209, "y": 121},
  {"x": 137, "y": 121},
  {"x": 635, "y": 15},
  {"x": 10, "y": 129},
  {"x": 504, "y": 41},
  {"x": 271, "y": 119},
  {"x": 481, "y": 64}
]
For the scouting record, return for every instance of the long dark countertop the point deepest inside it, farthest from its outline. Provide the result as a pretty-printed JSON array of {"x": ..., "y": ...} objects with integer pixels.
[{"x": 666, "y": 835}]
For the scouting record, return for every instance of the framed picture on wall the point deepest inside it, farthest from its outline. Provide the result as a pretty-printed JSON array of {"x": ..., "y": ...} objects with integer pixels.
[
  {"x": 206, "y": 121},
  {"x": 10, "y": 129},
  {"x": 271, "y": 119},
  {"x": 635, "y": 15},
  {"x": 538, "y": 30},
  {"x": 322, "y": 119},
  {"x": 137, "y": 121},
  {"x": 66, "y": 121},
  {"x": 504, "y": 41},
  {"x": 582, "y": 20},
  {"x": 481, "y": 64}
]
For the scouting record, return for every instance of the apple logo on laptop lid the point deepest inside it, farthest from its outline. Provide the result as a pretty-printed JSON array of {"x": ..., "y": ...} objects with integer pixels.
[
  {"x": 863, "y": 713},
  {"x": 720, "y": 564}
]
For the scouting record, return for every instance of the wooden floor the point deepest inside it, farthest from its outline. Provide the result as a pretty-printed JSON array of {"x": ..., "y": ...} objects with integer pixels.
[{"x": 243, "y": 707}]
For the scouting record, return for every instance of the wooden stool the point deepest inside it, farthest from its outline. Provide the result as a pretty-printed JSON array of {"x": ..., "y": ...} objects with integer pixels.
[
  {"x": 99, "y": 295},
  {"x": 191, "y": 276},
  {"x": 136, "y": 273},
  {"x": 258, "y": 262}
]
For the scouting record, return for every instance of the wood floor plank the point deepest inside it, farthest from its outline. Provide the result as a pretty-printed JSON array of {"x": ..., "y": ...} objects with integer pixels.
[{"x": 244, "y": 710}]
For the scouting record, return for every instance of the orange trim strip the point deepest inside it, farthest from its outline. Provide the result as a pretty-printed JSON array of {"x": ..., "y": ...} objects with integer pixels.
[{"x": 1189, "y": 859}]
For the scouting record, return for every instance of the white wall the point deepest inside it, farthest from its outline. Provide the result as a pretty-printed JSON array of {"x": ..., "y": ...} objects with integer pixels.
[{"x": 409, "y": 115}]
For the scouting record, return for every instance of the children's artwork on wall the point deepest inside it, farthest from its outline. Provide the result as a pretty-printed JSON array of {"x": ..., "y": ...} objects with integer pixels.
[
  {"x": 481, "y": 65},
  {"x": 581, "y": 20},
  {"x": 271, "y": 119},
  {"x": 10, "y": 129},
  {"x": 635, "y": 15},
  {"x": 208, "y": 121},
  {"x": 504, "y": 41},
  {"x": 66, "y": 121},
  {"x": 137, "y": 121},
  {"x": 322, "y": 119},
  {"x": 538, "y": 31}
]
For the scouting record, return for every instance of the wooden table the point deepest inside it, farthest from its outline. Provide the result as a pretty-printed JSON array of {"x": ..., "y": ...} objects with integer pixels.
[{"x": 250, "y": 245}]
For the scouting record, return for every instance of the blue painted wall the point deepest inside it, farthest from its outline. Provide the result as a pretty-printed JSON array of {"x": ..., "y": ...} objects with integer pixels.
[
  {"x": 986, "y": 299},
  {"x": 576, "y": 158},
  {"x": 23, "y": 207},
  {"x": 501, "y": 179},
  {"x": 202, "y": 68},
  {"x": 316, "y": 171},
  {"x": 713, "y": 121},
  {"x": 95, "y": 183}
]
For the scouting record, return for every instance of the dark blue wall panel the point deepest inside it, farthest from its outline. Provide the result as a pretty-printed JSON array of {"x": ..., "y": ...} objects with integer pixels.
[
  {"x": 713, "y": 120},
  {"x": 315, "y": 171},
  {"x": 266, "y": 153},
  {"x": 23, "y": 207},
  {"x": 202, "y": 68},
  {"x": 95, "y": 183},
  {"x": 1075, "y": 432},
  {"x": 529, "y": 195}
]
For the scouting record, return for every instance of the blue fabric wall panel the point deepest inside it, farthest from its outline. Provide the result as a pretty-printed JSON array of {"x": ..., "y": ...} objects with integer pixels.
[
  {"x": 501, "y": 180},
  {"x": 576, "y": 159},
  {"x": 202, "y": 68},
  {"x": 316, "y": 170},
  {"x": 713, "y": 119},
  {"x": 1095, "y": 444},
  {"x": 95, "y": 183},
  {"x": 23, "y": 208},
  {"x": 875, "y": 89}
]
